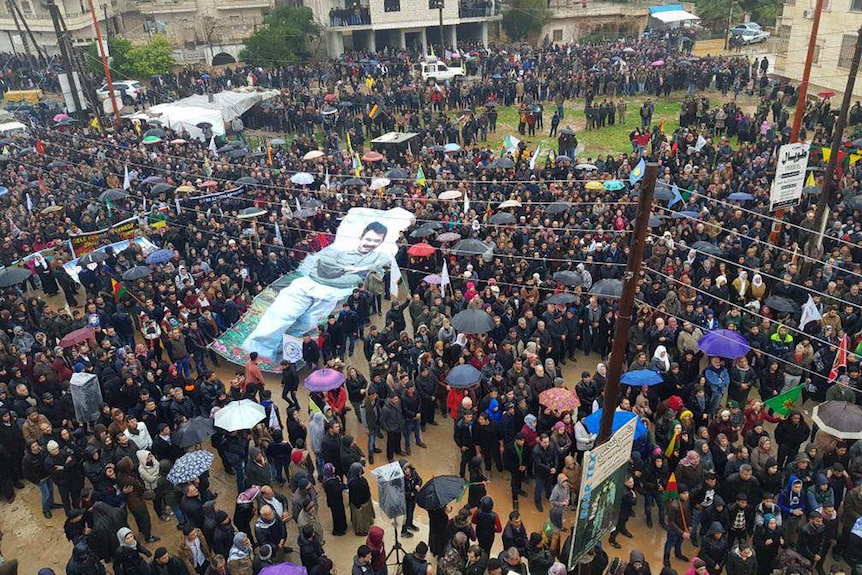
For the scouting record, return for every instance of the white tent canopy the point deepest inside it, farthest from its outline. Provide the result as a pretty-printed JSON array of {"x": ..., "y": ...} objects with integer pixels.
[
  {"x": 675, "y": 16},
  {"x": 185, "y": 114}
]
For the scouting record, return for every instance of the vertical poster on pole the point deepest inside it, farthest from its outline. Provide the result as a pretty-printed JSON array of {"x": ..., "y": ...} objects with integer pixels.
[
  {"x": 604, "y": 472},
  {"x": 789, "y": 176}
]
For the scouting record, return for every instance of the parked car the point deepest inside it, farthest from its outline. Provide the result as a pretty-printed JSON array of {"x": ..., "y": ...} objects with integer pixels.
[
  {"x": 749, "y": 33},
  {"x": 127, "y": 90}
]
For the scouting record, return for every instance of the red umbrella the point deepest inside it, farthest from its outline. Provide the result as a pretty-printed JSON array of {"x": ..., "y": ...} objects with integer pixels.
[
  {"x": 77, "y": 336},
  {"x": 372, "y": 157},
  {"x": 826, "y": 94},
  {"x": 329, "y": 98},
  {"x": 422, "y": 250},
  {"x": 208, "y": 184}
]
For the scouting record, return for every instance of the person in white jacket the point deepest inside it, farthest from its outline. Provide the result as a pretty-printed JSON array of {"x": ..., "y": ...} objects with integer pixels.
[
  {"x": 138, "y": 433},
  {"x": 584, "y": 440}
]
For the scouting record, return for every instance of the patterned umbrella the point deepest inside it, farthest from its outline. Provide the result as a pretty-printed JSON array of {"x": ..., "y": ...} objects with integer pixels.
[
  {"x": 324, "y": 380},
  {"x": 559, "y": 399},
  {"x": 160, "y": 256},
  {"x": 433, "y": 279},
  {"x": 190, "y": 466},
  {"x": 448, "y": 237},
  {"x": 284, "y": 568}
]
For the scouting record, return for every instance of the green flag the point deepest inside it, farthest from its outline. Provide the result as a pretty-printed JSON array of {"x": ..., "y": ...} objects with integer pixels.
[{"x": 784, "y": 402}]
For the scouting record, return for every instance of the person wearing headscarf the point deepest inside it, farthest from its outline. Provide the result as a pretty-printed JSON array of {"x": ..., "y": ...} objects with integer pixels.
[
  {"x": 477, "y": 489},
  {"x": 128, "y": 558},
  {"x": 758, "y": 288},
  {"x": 359, "y": 494},
  {"x": 660, "y": 360},
  {"x": 239, "y": 559},
  {"x": 741, "y": 286},
  {"x": 334, "y": 489},
  {"x": 690, "y": 470},
  {"x": 375, "y": 543}
]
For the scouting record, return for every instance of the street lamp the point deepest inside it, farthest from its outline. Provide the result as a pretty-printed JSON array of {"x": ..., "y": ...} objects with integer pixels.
[{"x": 438, "y": 5}]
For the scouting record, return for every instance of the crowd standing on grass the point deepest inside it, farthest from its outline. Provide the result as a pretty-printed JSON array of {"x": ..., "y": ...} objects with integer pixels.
[{"x": 751, "y": 498}]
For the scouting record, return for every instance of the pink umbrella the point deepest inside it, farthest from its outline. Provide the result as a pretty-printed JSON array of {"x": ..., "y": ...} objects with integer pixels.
[
  {"x": 178, "y": 141},
  {"x": 60, "y": 117},
  {"x": 209, "y": 184},
  {"x": 657, "y": 63},
  {"x": 324, "y": 380}
]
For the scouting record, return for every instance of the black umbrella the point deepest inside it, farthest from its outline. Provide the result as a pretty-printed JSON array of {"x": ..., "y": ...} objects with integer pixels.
[
  {"x": 707, "y": 248},
  {"x": 463, "y": 376},
  {"x": 561, "y": 298},
  {"x": 13, "y": 276},
  {"x": 502, "y": 218},
  {"x": 162, "y": 188},
  {"x": 422, "y": 232},
  {"x": 247, "y": 181},
  {"x": 569, "y": 278},
  {"x": 440, "y": 491},
  {"x": 204, "y": 125},
  {"x": 655, "y": 221},
  {"x": 92, "y": 258},
  {"x": 855, "y": 203},
  {"x": 236, "y": 154},
  {"x": 811, "y": 191},
  {"x": 607, "y": 288},
  {"x": 57, "y": 164},
  {"x": 194, "y": 432},
  {"x": 470, "y": 247},
  {"x": 354, "y": 182},
  {"x": 503, "y": 163},
  {"x": 396, "y": 191},
  {"x": 662, "y": 193},
  {"x": 397, "y": 174},
  {"x": 113, "y": 195},
  {"x": 235, "y": 145},
  {"x": 839, "y": 419},
  {"x": 557, "y": 207},
  {"x": 472, "y": 320},
  {"x": 136, "y": 273},
  {"x": 782, "y": 304}
]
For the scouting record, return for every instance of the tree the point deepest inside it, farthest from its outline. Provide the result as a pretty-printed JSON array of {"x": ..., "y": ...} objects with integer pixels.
[
  {"x": 714, "y": 15},
  {"x": 130, "y": 61},
  {"x": 154, "y": 57},
  {"x": 525, "y": 17},
  {"x": 281, "y": 39}
]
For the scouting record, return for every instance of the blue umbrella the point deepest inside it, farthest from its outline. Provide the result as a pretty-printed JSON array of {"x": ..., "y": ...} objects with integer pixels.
[
  {"x": 160, "y": 256},
  {"x": 463, "y": 376},
  {"x": 592, "y": 422},
  {"x": 686, "y": 214},
  {"x": 724, "y": 343},
  {"x": 641, "y": 377},
  {"x": 740, "y": 197}
]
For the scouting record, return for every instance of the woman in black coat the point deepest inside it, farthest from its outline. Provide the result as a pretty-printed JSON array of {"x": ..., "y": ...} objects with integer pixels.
[
  {"x": 127, "y": 559},
  {"x": 334, "y": 489}
]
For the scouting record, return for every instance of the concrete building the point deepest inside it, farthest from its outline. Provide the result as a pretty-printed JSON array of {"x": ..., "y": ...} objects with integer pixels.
[
  {"x": 76, "y": 14},
  {"x": 836, "y": 38},
  {"x": 403, "y": 23},
  {"x": 575, "y": 20}
]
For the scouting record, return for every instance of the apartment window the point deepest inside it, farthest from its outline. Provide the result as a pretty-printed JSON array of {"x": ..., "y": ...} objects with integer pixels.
[
  {"x": 848, "y": 44},
  {"x": 856, "y": 5},
  {"x": 392, "y": 5},
  {"x": 816, "y": 59},
  {"x": 558, "y": 35},
  {"x": 26, "y": 8}
]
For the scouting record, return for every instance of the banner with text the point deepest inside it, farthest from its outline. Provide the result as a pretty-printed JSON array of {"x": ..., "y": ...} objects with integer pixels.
[
  {"x": 85, "y": 243},
  {"x": 789, "y": 176}
]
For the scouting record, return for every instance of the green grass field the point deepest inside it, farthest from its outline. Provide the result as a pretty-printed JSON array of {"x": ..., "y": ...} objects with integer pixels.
[{"x": 609, "y": 140}]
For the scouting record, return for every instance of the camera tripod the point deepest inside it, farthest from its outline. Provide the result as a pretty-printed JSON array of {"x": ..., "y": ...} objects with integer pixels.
[{"x": 397, "y": 550}]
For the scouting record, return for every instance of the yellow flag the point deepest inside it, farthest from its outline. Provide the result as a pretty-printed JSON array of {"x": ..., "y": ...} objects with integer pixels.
[{"x": 809, "y": 181}]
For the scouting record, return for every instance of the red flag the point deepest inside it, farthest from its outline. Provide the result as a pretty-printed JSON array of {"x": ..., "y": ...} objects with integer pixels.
[
  {"x": 840, "y": 360},
  {"x": 40, "y": 147}
]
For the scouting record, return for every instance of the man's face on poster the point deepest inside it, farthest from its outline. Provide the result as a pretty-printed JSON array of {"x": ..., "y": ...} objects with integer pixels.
[{"x": 370, "y": 241}]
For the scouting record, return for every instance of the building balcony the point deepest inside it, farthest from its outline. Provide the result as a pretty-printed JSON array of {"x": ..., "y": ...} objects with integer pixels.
[
  {"x": 178, "y": 7},
  {"x": 358, "y": 17},
  {"x": 243, "y": 4},
  {"x": 479, "y": 9}
]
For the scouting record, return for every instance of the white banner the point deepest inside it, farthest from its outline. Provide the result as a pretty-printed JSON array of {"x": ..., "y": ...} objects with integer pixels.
[{"x": 789, "y": 176}]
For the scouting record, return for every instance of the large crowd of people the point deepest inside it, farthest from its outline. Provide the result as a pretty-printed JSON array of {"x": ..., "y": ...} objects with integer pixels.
[{"x": 751, "y": 497}]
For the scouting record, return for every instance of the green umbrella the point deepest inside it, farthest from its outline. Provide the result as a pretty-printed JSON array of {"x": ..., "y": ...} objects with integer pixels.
[
  {"x": 151, "y": 140},
  {"x": 613, "y": 185}
]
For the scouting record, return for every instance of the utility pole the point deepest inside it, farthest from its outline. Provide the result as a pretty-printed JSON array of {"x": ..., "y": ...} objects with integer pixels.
[
  {"x": 17, "y": 10},
  {"x": 729, "y": 24},
  {"x": 806, "y": 74},
  {"x": 627, "y": 300},
  {"x": 442, "y": 41},
  {"x": 66, "y": 56},
  {"x": 814, "y": 247},
  {"x": 105, "y": 66},
  {"x": 10, "y": 5}
]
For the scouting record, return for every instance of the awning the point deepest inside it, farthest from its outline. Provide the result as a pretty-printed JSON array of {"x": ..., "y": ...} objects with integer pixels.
[{"x": 671, "y": 16}]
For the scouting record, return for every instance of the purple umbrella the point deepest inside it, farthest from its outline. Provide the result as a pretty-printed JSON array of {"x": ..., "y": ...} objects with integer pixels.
[
  {"x": 724, "y": 343},
  {"x": 284, "y": 569},
  {"x": 433, "y": 279},
  {"x": 324, "y": 380}
]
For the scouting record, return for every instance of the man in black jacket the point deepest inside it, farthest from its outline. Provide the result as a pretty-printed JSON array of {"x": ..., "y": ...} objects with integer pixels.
[
  {"x": 813, "y": 542},
  {"x": 427, "y": 385},
  {"x": 192, "y": 506},
  {"x": 270, "y": 530},
  {"x": 411, "y": 406},
  {"x": 165, "y": 564},
  {"x": 544, "y": 469},
  {"x": 289, "y": 383},
  {"x": 466, "y": 440},
  {"x": 391, "y": 422},
  {"x": 515, "y": 462}
]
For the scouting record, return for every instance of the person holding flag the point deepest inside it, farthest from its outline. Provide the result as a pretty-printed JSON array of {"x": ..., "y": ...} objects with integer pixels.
[{"x": 678, "y": 514}]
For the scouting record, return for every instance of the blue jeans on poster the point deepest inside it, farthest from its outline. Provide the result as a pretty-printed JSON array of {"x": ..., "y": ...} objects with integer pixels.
[
  {"x": 411, "y": 426},
  {"x": 46, "y": 490}
]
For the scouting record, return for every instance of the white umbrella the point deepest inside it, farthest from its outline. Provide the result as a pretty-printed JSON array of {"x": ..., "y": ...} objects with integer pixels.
[
  {"x": 379, "y": 183},
  {"x": 510, "y": 204},
  {"x": 302, "y": 178},
  {"x": 237, "y": 415},
  {"x": 313, "y": 155},
  {"x": 450, "y": 195},
  {"x": 589, "y": 167}
]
